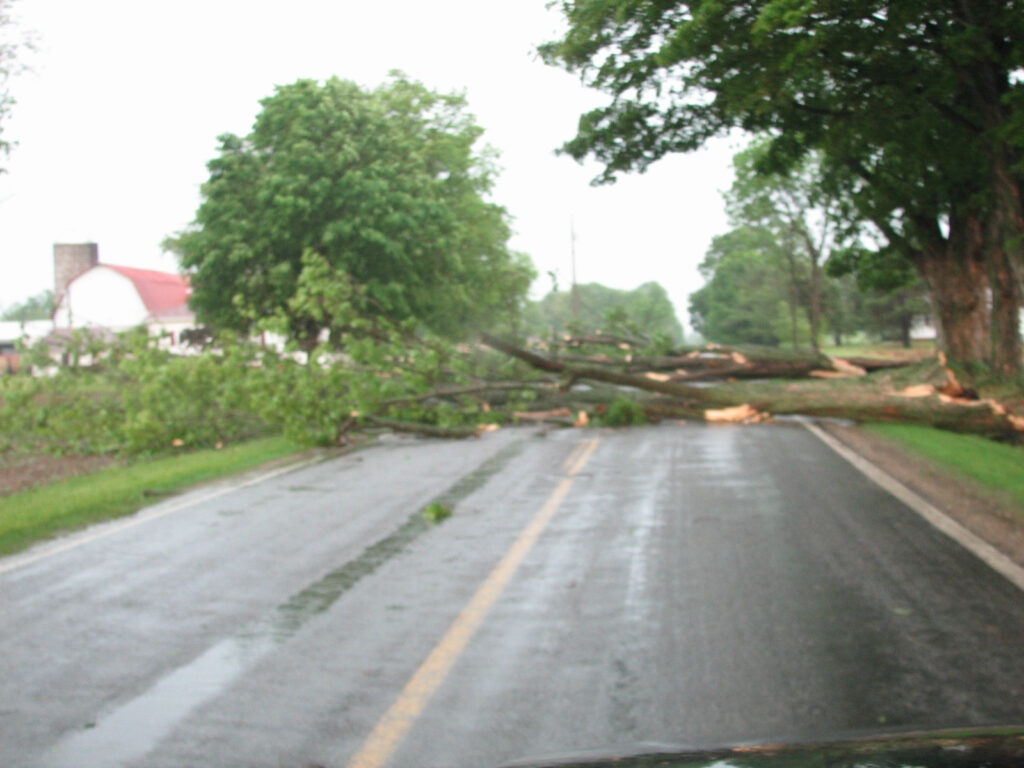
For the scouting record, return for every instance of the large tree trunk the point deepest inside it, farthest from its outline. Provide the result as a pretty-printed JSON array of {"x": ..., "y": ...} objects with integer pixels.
[
  {"x": 955, "y": 271},
  {"x": 1005, "y": 236},
  {"x": 906, "y": 322},
  {"x": 1003, "y": 224},
  {"x": 1006, "y": 347}
]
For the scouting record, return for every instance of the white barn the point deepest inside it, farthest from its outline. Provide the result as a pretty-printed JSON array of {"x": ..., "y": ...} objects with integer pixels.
[{"x": 115, "y": 298}]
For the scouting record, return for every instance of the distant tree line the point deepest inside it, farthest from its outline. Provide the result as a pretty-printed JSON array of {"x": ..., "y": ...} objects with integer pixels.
[
  {"x": 794, "y": 269},
  {"x": 38, "y": 307},
  {"x": 645, "y": 311}
]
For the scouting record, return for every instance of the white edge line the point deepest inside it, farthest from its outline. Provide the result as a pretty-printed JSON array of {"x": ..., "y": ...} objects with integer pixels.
[
  {"x": 18, "y": 561},
  {"x": 970, "y": 541}
]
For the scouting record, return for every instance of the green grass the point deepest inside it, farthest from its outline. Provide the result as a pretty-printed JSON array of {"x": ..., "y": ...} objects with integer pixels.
[
  {"x": 994, "y": 465},
  {"x": 883, "y": 350},
  {"x": 436, "y": 512},
  {"x": 43, "y": 512}
]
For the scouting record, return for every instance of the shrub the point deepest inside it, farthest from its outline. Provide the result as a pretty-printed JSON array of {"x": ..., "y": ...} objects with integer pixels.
[{"x": 624, "y": 412}]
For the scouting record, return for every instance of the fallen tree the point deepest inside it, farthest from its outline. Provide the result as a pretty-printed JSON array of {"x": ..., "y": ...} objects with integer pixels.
[
  {"x": 711, "y": 361},
  {"x": 136, "y": 397},
  {"x": 938, "y": 401}
]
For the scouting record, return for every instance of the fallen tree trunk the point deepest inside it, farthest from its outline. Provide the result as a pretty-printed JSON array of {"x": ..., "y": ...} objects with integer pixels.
[
  {"x": 585, "y": 372},
  {"x": 872, "y": 364},
  {"x": 857, "y": 401},
  {"x": 492, "y": 389},
  {"x": 714, "y": 361},
  {"x": 415, "y": 427}
]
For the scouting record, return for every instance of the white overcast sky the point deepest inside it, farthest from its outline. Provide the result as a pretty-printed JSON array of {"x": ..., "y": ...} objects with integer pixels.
[{"x": 119, "y": 114}]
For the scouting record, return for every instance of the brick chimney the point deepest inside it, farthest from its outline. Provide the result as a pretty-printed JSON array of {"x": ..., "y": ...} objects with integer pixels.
[{"x": 69, "y": 261}]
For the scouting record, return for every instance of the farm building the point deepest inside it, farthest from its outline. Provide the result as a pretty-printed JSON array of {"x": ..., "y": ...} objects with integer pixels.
[{"x": 92, "y": 295}]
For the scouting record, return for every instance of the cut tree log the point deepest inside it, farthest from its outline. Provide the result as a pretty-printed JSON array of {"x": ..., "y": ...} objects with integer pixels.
[
  {"x": 716, "y": 362},
  {"x": 869, "y": 401},
  {"x": 486, "y": 390}
]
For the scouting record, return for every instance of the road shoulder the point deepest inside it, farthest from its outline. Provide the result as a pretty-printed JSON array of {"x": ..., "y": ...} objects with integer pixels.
[{"x": 987, "y": 513}]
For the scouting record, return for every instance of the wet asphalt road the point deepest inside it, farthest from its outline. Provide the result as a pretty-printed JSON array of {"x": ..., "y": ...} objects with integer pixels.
[{"x": 693, "y": 585}]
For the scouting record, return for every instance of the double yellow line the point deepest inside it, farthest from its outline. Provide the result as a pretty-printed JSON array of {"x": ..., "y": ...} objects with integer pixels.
[{"x": 387, "y": 736}]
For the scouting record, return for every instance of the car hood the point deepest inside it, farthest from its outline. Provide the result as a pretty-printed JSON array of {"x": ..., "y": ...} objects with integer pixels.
[{"x": 989, "y": 748}]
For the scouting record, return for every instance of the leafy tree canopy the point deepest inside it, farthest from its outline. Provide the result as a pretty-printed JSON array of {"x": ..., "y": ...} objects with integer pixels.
[
  {"x": 744, "y": 300},
  {"x": 38, "y": 307},
  {"x": 847, "y": 75},
  {"x": 382, "y": 190},
  {"x": 917, "y": 107},
  {"x": 12, "y": 44}
]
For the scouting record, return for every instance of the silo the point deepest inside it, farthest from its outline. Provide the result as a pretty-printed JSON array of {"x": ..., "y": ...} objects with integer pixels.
[{"x": 69, "y": 261}]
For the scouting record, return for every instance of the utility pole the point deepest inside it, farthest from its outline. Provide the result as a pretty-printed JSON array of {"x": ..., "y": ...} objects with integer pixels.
[{"x": 575, "y": 290}]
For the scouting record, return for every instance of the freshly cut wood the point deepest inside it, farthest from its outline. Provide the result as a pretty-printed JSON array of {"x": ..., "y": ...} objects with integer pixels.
[
  {"x": 828, "y": 375},
  {"x": 741, "y": 414},
  {"x": 847, "y": 368},
  {"x": 538, "y": 416},
  {"x": 918, "y": 390},
  {"x": 953, "y": 387},
  {"x": 842, "y": 399}
]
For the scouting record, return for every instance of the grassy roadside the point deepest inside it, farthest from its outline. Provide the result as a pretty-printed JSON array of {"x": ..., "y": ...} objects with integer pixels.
[
  {"x": 994, "y": 465},
  {"x": 883, "y": 350},
  {"x": 42, "y": 512}
]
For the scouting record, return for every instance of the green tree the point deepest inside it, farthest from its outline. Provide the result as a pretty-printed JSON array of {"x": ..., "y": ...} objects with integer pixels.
[
  {"x": 380, "y": 188},
  {"x": 890, "y": 292},
  {"x": 38, "y": 307},
  {"x": 13, "y": 43},
  {"x": 748, "y": 295},
  {"x": 798, "y": 212},
  {"x": 916, "y": 106},
  {"x": 645, "y": 311}
]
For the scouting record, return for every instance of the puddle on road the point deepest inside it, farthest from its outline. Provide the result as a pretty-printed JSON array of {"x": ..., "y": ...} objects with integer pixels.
[{"x": 133, "y": 729}]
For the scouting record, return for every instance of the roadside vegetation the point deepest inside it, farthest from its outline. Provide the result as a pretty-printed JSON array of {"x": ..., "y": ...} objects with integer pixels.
[
  {"x": 994, "y": 465},
  {"x": 383, "y": 267},
  {"x": 42, "y": 512}
]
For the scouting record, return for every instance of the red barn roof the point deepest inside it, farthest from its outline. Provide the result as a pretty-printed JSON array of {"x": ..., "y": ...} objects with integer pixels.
[{"x": 160, "y": 292}]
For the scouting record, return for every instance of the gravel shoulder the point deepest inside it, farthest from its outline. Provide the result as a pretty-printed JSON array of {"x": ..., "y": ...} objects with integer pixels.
[{"x": 992, "y": 515}]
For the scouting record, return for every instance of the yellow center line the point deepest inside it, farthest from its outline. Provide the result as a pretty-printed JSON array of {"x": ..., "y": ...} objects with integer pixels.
[
  {"x": 386, "y": 737},
  {"x": 574, "y": 454}
]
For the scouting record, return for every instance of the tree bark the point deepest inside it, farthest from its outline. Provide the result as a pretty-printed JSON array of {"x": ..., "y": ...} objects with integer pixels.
[
  {"x": 1005, "y": 253},
  {"x": 955, "y": 271},
  {"x": 906, "y": 321},
  {"x": 865, "y": 405}
]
